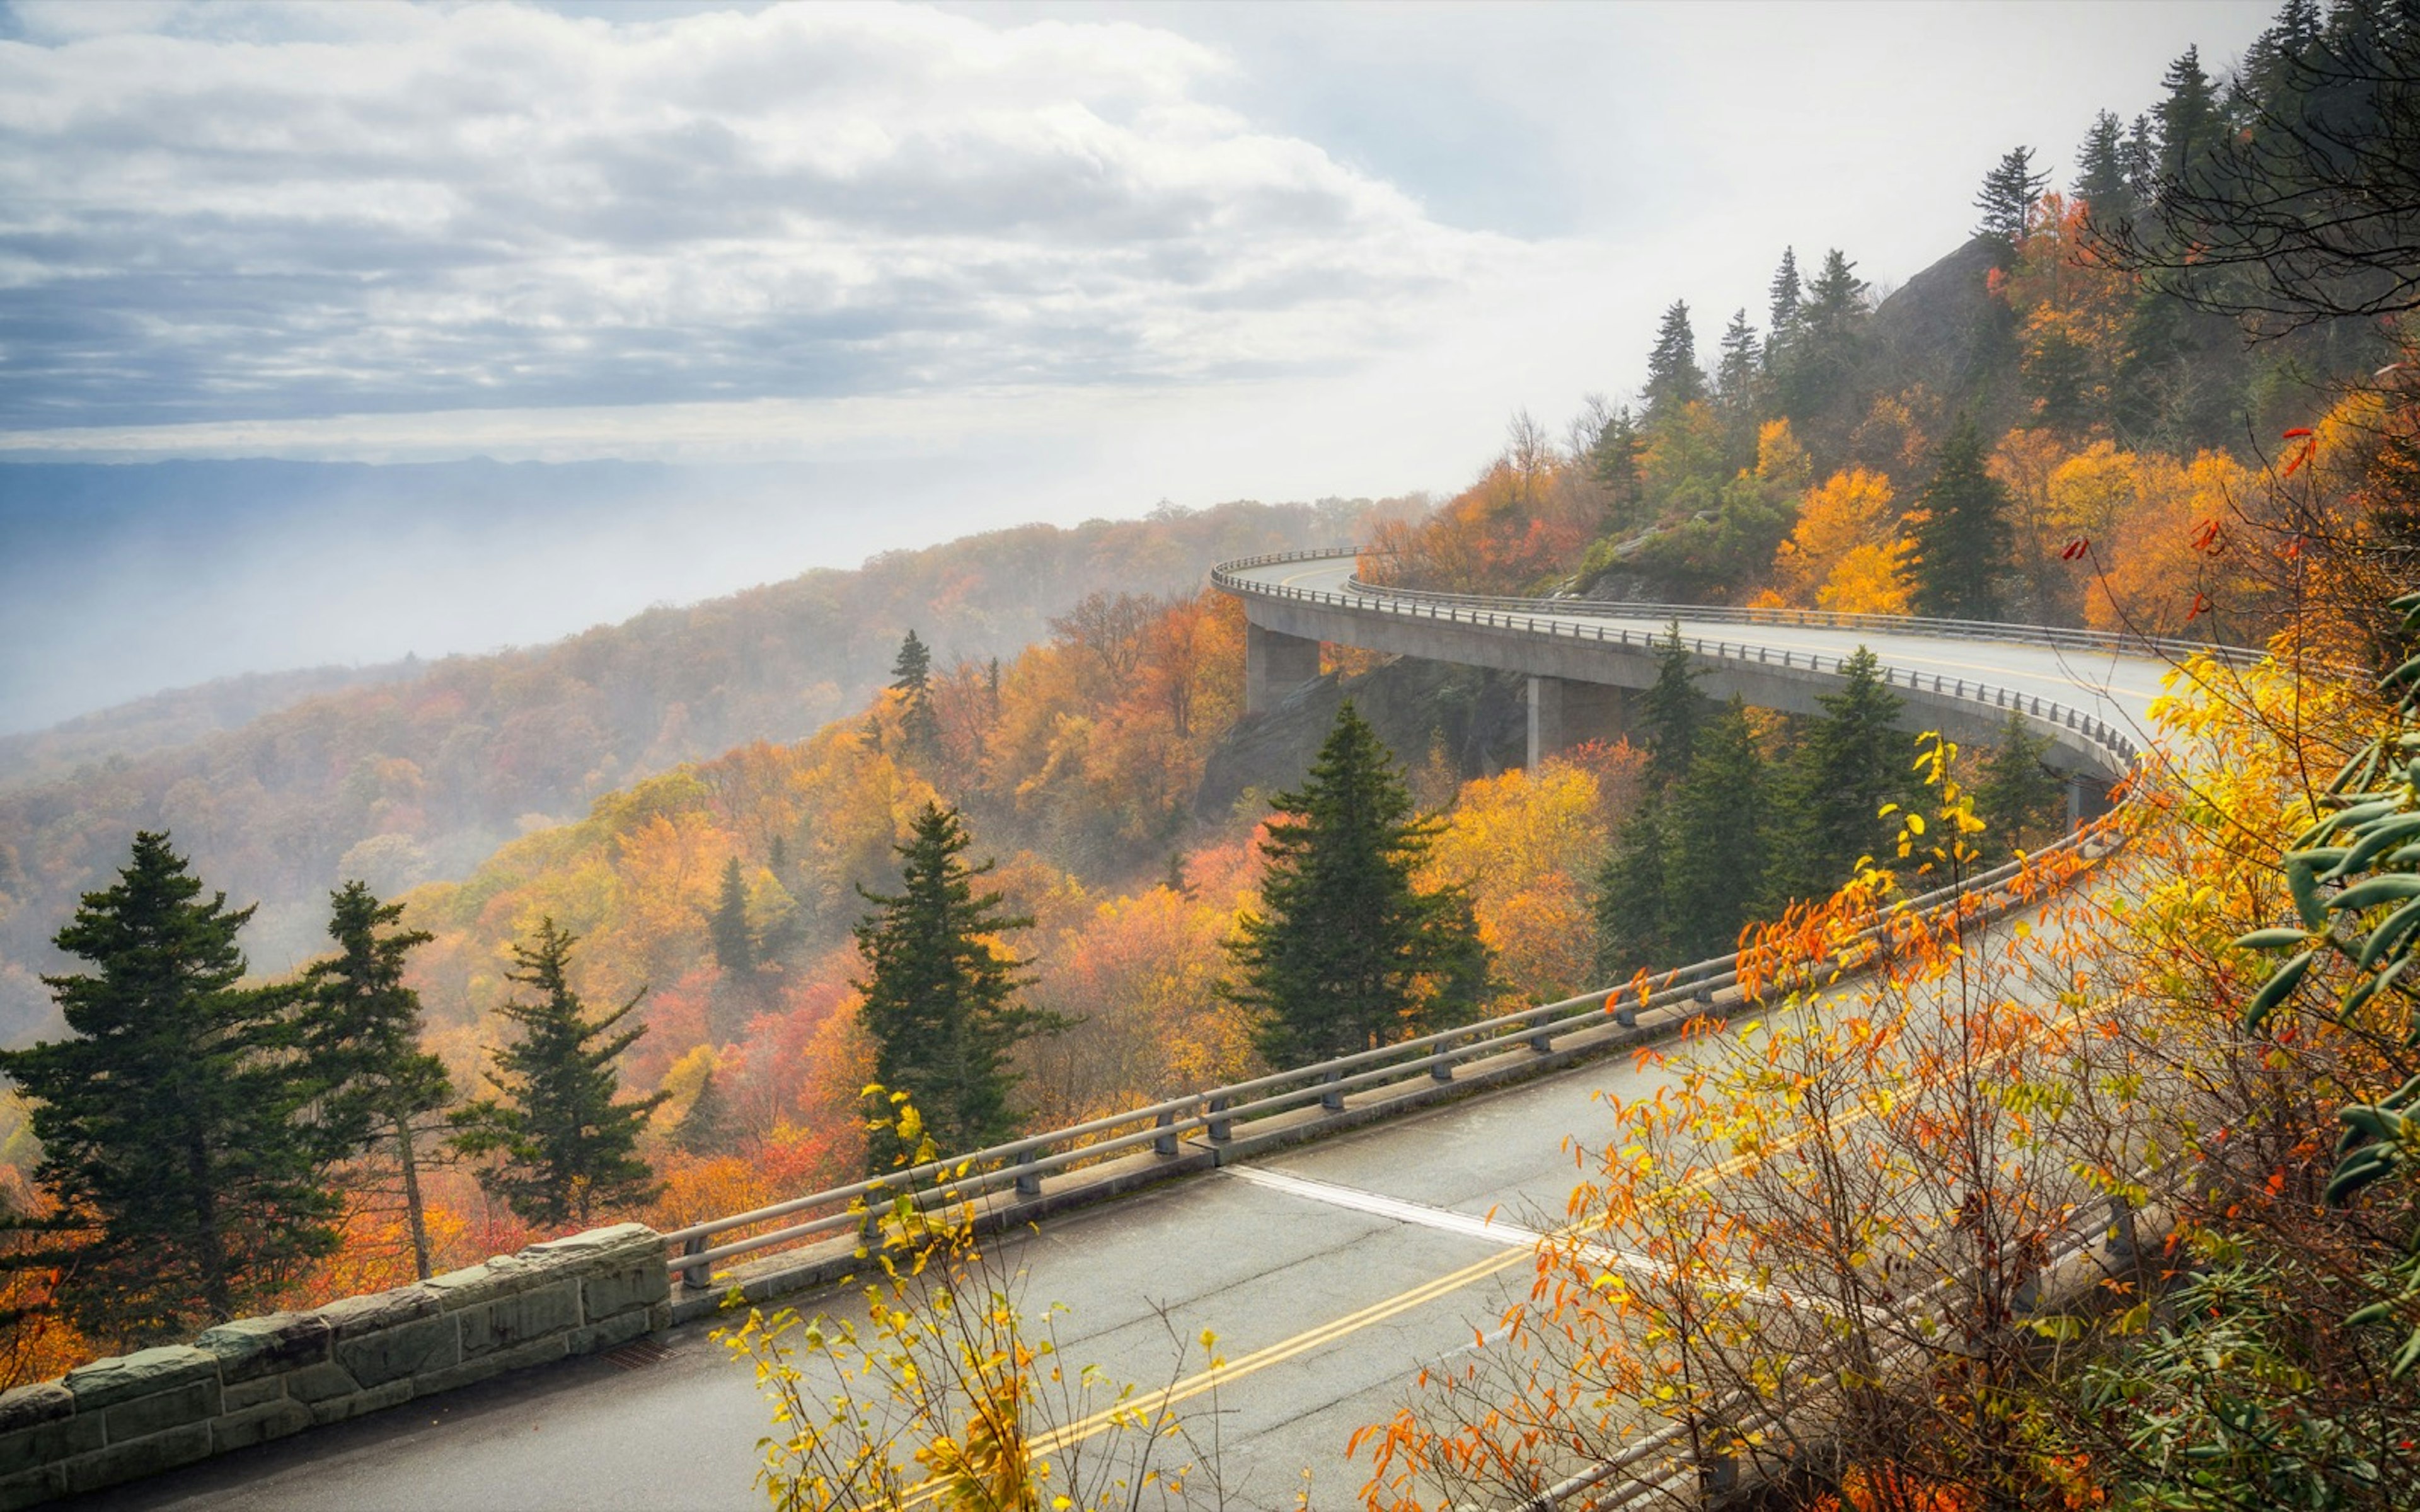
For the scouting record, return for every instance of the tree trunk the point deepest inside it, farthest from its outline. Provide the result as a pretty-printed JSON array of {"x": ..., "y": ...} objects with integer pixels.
[{"x": 414, "y": 1215}]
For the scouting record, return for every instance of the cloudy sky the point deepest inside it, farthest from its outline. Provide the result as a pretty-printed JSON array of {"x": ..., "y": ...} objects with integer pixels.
[
  {"x": 586, "y": 229},
  {"x": 1086, "y": 257}
]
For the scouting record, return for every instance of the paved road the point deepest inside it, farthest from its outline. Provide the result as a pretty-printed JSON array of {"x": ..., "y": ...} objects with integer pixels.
[{"x": 1334, "y": 1270}]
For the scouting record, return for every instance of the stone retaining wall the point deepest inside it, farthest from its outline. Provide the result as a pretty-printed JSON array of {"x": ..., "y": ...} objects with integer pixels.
[{"x": 258, "y": 1378}]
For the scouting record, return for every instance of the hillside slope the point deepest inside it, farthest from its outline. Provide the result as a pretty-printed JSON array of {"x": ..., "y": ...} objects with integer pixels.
[{"x": 410, "y": 783}]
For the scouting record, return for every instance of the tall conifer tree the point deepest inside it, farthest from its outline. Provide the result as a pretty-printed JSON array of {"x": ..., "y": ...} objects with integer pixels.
[
  {"x": 1784, "y": 295},
  {"x": 1717, "y": 839},
  {"x": 2020, "y": 799},
  {"x": 171, "y": 1123},
  {"x": 1850, "y": 763},
  {"x": 1961, "y": 531},
  {"x": 734, "y": 943},
  {"x": 362, "y": 1035},
  {"x": 1633, "y": 917},
  {"x": 1674, "y": 380},
  {"x": 568, "y": 1147},
  {"x": 911, "y": 677},
  {"x": 940, "y": 997},
  {"x": 2010, "y": 193},
  {"x": 2190, "y": 122},
  {"x": 1345, "y": 952},
  {"x": 1672, "y": 709},
  {"x": 2101, "y": 180}
]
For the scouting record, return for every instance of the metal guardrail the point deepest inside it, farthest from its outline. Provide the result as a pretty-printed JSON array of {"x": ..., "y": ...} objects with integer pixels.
[
  {"x": 1223, "y": 576},
  {"x": 2119, "y": 747},
  {"x": 1021, "y": 1163}
]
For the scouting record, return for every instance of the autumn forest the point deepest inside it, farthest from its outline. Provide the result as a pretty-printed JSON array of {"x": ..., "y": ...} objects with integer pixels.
[{"x": 667, "y": 875}]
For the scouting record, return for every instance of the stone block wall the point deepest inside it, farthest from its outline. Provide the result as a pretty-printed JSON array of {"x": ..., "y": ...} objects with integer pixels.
[{"x": 258, "y": 1378}]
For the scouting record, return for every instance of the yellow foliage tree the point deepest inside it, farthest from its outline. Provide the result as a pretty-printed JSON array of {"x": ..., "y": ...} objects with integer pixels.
[{"x": 1847, "y": 553}]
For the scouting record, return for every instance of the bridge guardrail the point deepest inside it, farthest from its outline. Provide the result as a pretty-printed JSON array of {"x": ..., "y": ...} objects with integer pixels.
[
  {"x": 1020, "y": 1165},
  {"x": 1223, "y": 576},
  {"x": 2119, "y": 747}
]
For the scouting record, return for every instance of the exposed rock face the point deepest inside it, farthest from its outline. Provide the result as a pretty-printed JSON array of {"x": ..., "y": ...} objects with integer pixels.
[
  {"x": 1945, "y": 330},
  {"x": 1480, "y": 716}
]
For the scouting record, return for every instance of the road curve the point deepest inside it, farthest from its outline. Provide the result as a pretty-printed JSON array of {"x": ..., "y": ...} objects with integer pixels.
[{"x": 1333, "y": 1271}]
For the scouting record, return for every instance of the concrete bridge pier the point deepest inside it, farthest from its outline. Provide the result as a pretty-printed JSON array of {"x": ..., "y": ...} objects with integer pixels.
[
  {"x": 1275, "y": 664},
  {"x": 2087, "y": 798},
  {"x": 1563, "y": 713}
]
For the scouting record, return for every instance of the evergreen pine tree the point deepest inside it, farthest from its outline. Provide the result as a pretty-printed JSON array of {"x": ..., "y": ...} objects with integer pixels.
[
  {"x": 1716, "y": 851},
  {"x": 1633, "y": 916},
  {"x": 170, "y": 1121},
  {"x": 1961, "y": 531},
  {"x": 2142, "y": 157},
  {"x": 2008, "y": 197},
  {"x": 363, "y": 1036},
  {"x": 1614, "y": 462},
  {"x": 734, "y": 943},
  {"x": 2020, "y": 799},
  {"x": 1735, "y": 371},
  {"x": 2190, "y": 123},
  {"x": 2101, "y": 180},
  {"x": 1672, "y": 710},
  {"x": 1837, "y": 299},
  {"x": 1673, "y": 378},
  {"x": 704, "y": 1128},
  {"x": 911, "y": 677},
  {"x": 1786, "y": 295},
  {"x": 1344, "y": 952},
  {"x": 939, "y": 998},
  {"x": 567, "y": 1148},
  {"x": 1850, "y": 761}
]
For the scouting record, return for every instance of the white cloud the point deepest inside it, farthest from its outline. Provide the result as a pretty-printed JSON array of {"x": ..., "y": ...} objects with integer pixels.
[{"x": 249, "y": 212}]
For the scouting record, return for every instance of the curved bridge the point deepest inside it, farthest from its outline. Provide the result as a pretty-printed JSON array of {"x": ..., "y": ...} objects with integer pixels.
[
  {"x": 1333, "y": 1270},
  {"x": 2088, "y": 692}
]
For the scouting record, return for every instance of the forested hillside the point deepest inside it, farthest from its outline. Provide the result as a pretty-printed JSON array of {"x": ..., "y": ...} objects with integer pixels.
[
  {"x": 2105, "y": 1204},
  {"x": 409, "y": 783}
]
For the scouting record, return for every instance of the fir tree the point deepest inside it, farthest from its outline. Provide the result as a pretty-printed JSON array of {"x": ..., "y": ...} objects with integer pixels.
[
  {"x": 1850, "y": 761},
  {"x": 1614, "y": 462},
  {"x": 2101, "y": 179},
  {"x": 705, "y": 1127},
  {"x": 1961, "y": 531},
  {"x": 1672, "y": 710},
  {"x": 2021, "y": 801},
  {"x": 1715, "y": 848},
  {"x": 1786, "y": 295},
  {"x": 1837, "y": 299},
  {"x": 2190, "y": 122},
  {"x": 1735, "y": 371},
  {"x": 940, "y": 997},
  {"x": 567, "y": 1148},
  {"x": 171, "y": 1121},
  {"x": 911, "y": 677},
  {"x": 363, "y": 1036},
  {"x": 1674, "y": 380},
  {"x": 1345, "y": 952},
  {"x": 2010, "y": 193},
  {"x": 1633, "y": 917},
  {"x": 734, "y": 943}
]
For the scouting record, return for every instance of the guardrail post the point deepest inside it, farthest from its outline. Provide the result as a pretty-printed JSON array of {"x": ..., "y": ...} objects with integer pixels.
[
  {"x": 1028, "y": 1180},
  {"x": 695, "y": 1277},
  {"x": 1332, "y": 1100},
  {"x": 1626, "y": 1014},
  {"x": 1221, "y": 1129},
  {"x": 1543, "y": 1042},
  {"x": 1164, "y": 1145},
  {"x": 1440, "y": 1069}
]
